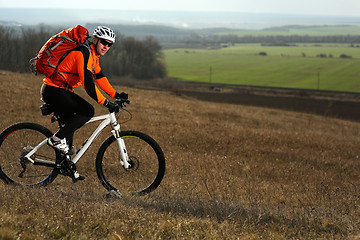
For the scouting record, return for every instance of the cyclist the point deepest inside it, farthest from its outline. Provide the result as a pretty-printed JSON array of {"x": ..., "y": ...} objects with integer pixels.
[{"x": 79, "y": 67}]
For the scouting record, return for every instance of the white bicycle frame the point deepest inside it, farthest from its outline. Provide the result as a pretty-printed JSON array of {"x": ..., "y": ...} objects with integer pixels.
[{"x": 107, "y": 119}]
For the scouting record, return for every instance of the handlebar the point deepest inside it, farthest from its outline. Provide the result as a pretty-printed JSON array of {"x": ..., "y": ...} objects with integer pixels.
[{"x": 121, "y": 102}]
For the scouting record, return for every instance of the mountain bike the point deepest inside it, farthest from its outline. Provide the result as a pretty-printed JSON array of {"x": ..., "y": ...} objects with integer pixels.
[{"x": 129, "y": 162}]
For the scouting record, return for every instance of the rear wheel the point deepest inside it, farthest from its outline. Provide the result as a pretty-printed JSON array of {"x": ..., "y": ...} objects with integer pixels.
[
  {"x": 146, "y": 159},
  {"x": 15, "y": 142}
]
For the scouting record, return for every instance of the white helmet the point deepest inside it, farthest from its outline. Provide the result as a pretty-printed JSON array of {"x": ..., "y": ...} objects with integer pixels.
[{"x": 104, "y": 33}]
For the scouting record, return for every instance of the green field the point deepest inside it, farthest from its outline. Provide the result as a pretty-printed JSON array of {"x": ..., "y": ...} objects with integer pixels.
[{"x": 296, "y": 67}]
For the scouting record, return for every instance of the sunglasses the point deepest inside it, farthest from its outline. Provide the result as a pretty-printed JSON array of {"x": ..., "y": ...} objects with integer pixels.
[{"x": 105, "y": 43}]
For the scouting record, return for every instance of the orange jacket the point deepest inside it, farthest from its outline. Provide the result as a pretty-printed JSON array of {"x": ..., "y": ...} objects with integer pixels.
[{"x": 81, "y": 67}]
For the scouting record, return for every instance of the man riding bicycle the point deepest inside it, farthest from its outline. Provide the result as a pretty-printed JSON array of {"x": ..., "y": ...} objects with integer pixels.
[{"x": 79, "y": 67}]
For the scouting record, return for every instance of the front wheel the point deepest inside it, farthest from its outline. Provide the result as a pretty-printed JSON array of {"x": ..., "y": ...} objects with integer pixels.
[
  {"x": 147, "y": 163},
  {"x": 15, "y": 142}
]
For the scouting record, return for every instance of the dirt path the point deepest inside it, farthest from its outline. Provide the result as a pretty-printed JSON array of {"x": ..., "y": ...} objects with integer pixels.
[{"x": 343, "y": 109}]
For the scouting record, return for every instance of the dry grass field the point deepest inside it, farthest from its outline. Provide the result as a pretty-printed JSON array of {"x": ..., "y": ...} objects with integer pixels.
[{"x": 233, "y": 172}]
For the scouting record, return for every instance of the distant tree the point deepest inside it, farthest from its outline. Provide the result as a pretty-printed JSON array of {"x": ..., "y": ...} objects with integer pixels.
[
  {"x": 18, "y": 47},
  {"x": 322, "y": 55},
  {"x": 345, "y": 56},
  {"x": 141, "y": 59}
]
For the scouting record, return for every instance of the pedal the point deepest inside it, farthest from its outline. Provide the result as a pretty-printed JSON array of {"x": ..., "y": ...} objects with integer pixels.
[{"x": 77, "y": 177}]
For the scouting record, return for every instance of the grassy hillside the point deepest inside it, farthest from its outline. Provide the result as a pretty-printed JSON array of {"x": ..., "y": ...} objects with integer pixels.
[
  {"x": 296, "y": 66},
  {"x": 233, "y": 172}
]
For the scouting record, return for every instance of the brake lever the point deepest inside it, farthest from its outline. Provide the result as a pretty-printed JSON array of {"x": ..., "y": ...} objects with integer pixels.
[{"x": 121, "y": 102}]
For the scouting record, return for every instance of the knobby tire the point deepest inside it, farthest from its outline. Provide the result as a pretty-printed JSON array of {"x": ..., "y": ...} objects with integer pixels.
[{"x": 147, "y": 159}]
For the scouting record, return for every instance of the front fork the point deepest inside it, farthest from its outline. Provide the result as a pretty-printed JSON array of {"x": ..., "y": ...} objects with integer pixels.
[{"x": 124, "y": 161}]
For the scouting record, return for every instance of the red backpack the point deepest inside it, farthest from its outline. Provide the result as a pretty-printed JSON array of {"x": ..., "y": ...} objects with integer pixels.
[{"x": 56, "y": 48}]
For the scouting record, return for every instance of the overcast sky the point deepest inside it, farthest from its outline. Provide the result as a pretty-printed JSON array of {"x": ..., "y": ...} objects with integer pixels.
[{"x": 314, "y": 7}]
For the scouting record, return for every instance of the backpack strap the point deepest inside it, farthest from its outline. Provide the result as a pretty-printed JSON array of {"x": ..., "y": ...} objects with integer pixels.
[
  {"x": 68, "y": 87},
  {"x": 67, "y": 53}
]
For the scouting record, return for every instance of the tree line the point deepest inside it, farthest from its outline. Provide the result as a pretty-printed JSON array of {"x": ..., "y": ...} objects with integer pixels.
[{"x": 140, "y": 59}]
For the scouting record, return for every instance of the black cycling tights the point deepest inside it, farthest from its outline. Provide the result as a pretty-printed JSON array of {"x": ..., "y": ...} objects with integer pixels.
[{"x": 74, "y": 111}]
